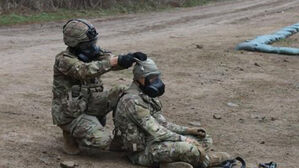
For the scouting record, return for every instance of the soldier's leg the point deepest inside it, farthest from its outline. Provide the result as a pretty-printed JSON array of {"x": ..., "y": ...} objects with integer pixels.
[
  {"x": 167, "y": 152},
  {"x": 101, "y": 103},
  {"x": 88, "y": 131},
  {"x": 206, "y": 142}
]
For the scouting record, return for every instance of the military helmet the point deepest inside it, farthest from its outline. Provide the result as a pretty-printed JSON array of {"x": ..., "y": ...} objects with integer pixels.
[
  {"x": 76, "y": 31},
  {"x": 145, "y": 68}
]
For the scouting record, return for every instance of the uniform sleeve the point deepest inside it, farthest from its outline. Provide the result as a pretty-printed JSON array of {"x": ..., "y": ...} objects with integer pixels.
[
  {"x": 77, "y": 69},
  {"x": 169, "y": 125},
  {"x": 141, "y": 116},
  {"x": 108, "y": 56}
]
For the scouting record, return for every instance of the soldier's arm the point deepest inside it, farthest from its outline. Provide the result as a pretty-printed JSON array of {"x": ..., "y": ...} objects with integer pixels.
[
  {"x": 141, "y": 116},
  {"x": 77, "y": 69},
  {"x": 113, "y": 60},
  {"x": 169, "y": 125}
]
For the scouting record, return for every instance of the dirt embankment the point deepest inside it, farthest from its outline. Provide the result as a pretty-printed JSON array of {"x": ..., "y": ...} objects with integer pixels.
[{"x": 194, "y": 49}]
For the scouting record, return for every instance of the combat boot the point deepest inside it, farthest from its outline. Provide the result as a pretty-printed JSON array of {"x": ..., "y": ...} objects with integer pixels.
[
  {"x": 176, "y": 165},
  {"x": 70, "y": 146},
  {"x": 216, "y": 158}
]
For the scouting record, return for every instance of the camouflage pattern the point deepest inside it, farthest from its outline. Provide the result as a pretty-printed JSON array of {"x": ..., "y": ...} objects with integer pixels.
[
  {"x": 167, "y": 152},
  {"x": 89, "y": 132},
  {"x": 74, "y": 32},
  {"x": 145, "y": 68},
  {"x": 147, "y": 137},
  {"x": 79, "y": 101}
]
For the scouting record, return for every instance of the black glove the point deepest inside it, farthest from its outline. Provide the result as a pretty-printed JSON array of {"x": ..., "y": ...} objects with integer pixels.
[
  {"x": 140, "y": 55},
  {"x": 126, "y": 61}
]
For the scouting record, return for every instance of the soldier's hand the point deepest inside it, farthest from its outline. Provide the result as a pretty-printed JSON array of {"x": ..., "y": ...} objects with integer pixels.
[
  {"x": 125, "y": 61},
  {"x": 199, "y": 132},
  {"x": 140, "y": 55},
  {"x": 192, "y": 141}
]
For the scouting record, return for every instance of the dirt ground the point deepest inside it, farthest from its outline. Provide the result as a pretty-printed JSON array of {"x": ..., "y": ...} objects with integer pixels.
[{"x": 194, "y": 49}]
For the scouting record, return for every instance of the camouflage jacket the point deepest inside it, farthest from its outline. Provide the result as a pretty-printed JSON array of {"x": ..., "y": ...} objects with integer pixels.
[
  {"x": 139, "y": 121},
  {"x": 69, "y": 71}
]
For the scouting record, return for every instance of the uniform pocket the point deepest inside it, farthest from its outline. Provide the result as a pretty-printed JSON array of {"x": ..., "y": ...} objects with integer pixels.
[
  {"x": 76, "y": 106},
  {"x": 133, "y": 139}
]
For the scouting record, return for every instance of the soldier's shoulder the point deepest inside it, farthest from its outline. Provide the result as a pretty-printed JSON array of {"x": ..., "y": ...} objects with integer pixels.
[
  {"x": 64, "y": 58},
  {"x": 65, "y": 54},
  {"x": 134, "y": 99}
]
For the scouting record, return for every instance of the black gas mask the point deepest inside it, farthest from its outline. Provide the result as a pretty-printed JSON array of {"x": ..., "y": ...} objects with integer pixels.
[
  {"x": 88, "y": 51},
  {"x": 154, "y": 86}
]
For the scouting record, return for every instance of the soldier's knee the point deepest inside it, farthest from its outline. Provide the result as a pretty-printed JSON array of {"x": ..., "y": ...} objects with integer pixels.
[
  {"x": 187, "y": 149},
  {"x": 115, "y": 93},
  {"x": 97, "y": 138},
  {"x": 119, "y": 89}
]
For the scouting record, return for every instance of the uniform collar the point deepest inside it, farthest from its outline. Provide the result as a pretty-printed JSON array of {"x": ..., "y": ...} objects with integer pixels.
[{"x": 135, "y": 89}]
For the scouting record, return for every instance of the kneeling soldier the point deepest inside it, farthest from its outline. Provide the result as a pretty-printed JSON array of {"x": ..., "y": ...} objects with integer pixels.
[{"x": 80, "y": 104}]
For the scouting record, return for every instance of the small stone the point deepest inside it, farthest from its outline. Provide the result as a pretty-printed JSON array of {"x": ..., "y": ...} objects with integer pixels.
[
  {"x": 241, "y": 120},
  {"x": 67, "y": 164},
  {"x": 262, "y": 142},
  {"x": 44, "y": 160},
  {"x": 273, "y": 118},
  {"x": 217, "y": 117},
  {"x": 199, "y": 46},
  {"x": 285, "y": 60},
  {"x": 256, "y": 64},
  {"x": 195, "y": 123},
  {"x": 230, "y": 104}
]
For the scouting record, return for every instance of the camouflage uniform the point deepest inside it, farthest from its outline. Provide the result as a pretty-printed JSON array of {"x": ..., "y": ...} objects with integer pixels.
[
  {"x": 79, "y": 102},
  {"x": 147, "y": 137}
]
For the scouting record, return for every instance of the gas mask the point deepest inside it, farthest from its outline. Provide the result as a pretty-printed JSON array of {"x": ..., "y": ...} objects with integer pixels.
[
  {"x": 88, "y": 51},
  {"x": 86, "y": 48},
  {"x": 154, "y": 86}
]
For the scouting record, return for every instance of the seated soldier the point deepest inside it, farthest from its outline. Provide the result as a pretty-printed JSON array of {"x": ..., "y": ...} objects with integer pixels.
[{"x": 148, "y": 139}]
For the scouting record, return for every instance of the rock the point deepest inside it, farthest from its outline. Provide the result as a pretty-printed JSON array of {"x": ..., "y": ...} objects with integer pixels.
[
  {"x": 199, "y": 46},
  {"x": 240, "y": 69},
  {"x": 256, "y": 64},
  {"x": 230, "y": 104},
  {"x": 67, "y": 164},
  {"x": 45, "y": 160},
  {"x": 195, "y": 123},
  {"x": 241, "y": 120},
  {"x": 262, "y": 142},
  {"x": 217, "y": 116}
]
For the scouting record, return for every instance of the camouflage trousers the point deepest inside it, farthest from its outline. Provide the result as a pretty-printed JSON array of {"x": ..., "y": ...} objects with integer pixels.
[
  {"x": 88, "y": 127},
  {"x": 167, "y": 152}
]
